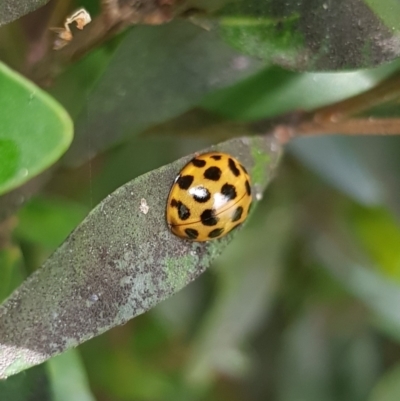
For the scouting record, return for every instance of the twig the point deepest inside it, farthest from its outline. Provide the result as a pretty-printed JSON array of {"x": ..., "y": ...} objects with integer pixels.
[
  {"x": 385, "y": 91},
  {"x": 354, "y": 126},
  {"x": 116, "y": 16},
  {"x": 337, "y": 118},
  {"x": 285, "y": 132}
]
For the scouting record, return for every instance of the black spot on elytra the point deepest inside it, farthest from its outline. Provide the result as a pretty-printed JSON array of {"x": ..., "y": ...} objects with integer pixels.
[
  {"x": 204, "y": 198},
  {"x": 233, "y": 168},
  {"x": 192, "y": 233},
  {"x": 183, "y": 210},
  {"x": 216, "y": 157},
  {"x": 213, "y": 173},
  {"x": 215, "y": 233},
  {"x": 185, "y": 181},
  {"x": 228, "y": 191},
  {"x": 238, "y": 214},
  {"x": 208, "y": 217},
  {"x": 248, "y": 188},
  {"x": 199, "y": 163},
  {"x": 243, "y": 168}
]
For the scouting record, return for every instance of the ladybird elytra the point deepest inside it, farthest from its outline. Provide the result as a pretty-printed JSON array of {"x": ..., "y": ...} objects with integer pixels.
[{"x": 210, "y": 197}]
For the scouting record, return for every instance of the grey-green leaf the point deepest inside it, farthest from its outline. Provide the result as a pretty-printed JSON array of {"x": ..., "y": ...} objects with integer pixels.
[
  {"x": 117, "y": 264},
  {"x": 155, "y": 74},
  {"x": 315, "y": 35},
  {"x": 11, "y": 10}
]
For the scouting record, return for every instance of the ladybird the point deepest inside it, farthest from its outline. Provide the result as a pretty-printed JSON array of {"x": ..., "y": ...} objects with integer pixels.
[{"x": 210, "y": 197}]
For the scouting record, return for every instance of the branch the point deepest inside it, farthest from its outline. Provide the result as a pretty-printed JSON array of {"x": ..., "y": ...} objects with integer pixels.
[
  {"x": 384, "y": 92},
  {"x": 337, "y": 118}
]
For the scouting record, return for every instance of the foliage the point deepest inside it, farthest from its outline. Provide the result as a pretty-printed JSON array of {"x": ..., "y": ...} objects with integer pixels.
[{"x": 302, "y": 305}]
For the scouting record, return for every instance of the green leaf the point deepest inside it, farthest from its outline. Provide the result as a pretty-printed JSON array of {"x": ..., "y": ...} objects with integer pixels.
[
  {"x": 388, "y": 11},
  {"x": 27, "y": 386},
  {"x": 381, "y": 156},
  {"x": 68, "y": 379},
  {"x": 324, "y": 358},
  {"x": 34, "y": 130},
  {"x": 13, "y": 200},
  {"x": 378, "y": 233},
  {"x": 155, "y": 74},
  {"x": 249, "y": 277},
  {"x": 48, "y": 221},
  {"x": 11, "y": 273},
  {"x": 276, "y": 91},
  {"x": 314, "y": 35},
  {"x": 303, "y": 342},
  {"x": 11, "y": 10},
  {"x": 117, "y": 264},
  {"x": 388, "y": 387},
  {"x": 337, "y": 160},
  {"x": 126, "y": 371},
  {"x": 259, "y": 36},
  {"x": 73, "y": 88},
  {"x": 348, "y": 264}
]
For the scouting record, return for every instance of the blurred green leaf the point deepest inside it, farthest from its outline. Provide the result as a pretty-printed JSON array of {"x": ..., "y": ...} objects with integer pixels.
[
  {"x": 137, "y": 156},
  {"x": 381, "y": 156},
  {"x": 73, "y": 88},
  {"x": 305, "y": 361},
  {"x": 249, "y": 279},
  {"x": 32, "y": 385},
  {"x": 276, "y": 91},
  {"x": 123, "y": 374},
  {"x": 379, "y": 234},
  {"x": 34, "y": 130},
  {"x": 11, "y": 10},
  {"x": 338, "y": 160},
  {"x": 14, "y": 200},
  {"x": 11, "y": 273},
  {"x": 387, "y": 11},
  {"x": 48, "y": 221},
  {"x": 388, "y": 387},
  {"x": 117, "y": 264},
  {"x": 342, "y": 257},
  {"x": 67, "y": 378},
  {"x": 155, "y": 74},
  {"x": 326, "y": 358}
]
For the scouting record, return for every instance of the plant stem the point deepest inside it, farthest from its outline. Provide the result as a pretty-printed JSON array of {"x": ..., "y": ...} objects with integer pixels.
[
  {"x": 354, "y": 126},
  {"x": 337, "y": 118},
  {"x": 385, "y": 91}
]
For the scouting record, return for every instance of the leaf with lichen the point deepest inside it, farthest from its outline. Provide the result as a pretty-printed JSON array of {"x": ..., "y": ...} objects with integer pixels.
[
  {"x": 118, "y": 263},
  {"x": 11, "y": 10}
]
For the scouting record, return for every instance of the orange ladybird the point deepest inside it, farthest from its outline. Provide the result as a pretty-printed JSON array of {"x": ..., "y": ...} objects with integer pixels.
[{"x": 210, "y": 197}]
